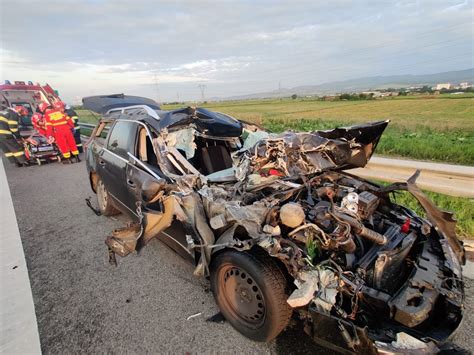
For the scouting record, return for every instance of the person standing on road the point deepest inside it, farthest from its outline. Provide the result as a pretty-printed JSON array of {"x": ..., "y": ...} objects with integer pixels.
[
  {"x": 59, "y": 105},
  {"x": 77, "y": 129},
  {"x": 9, "y": 136},
  {"x": 59, "y": 125},
  {"x": 68, "y": 110}
]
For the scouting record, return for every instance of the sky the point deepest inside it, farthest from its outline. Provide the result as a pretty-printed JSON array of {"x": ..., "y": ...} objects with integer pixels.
[{"x": 186, "y": 50}]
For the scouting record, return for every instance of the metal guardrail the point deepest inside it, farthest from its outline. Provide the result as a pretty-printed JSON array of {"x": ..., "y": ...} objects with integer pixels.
[
  {"x": 87, "y": 125},
  {"x": 90, "y": 127},
  {"x": 448, "y": 179}
]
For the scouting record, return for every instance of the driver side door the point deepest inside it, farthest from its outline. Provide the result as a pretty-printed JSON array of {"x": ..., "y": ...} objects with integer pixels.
[{"x": 145, "y": 185}]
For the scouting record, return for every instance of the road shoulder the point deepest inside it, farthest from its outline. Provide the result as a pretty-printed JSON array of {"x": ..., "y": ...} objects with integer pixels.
[{"x": 18, "y": 327}]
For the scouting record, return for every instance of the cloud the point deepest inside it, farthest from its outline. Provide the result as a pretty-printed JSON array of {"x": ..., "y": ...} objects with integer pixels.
[{"x": 235, "y": 47}]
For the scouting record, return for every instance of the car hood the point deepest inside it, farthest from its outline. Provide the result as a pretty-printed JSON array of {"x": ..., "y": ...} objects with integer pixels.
[{"x": 292, "y": 154}]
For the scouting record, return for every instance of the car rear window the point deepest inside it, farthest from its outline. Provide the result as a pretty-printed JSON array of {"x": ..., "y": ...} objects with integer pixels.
[{"x": 122, "y": 138}]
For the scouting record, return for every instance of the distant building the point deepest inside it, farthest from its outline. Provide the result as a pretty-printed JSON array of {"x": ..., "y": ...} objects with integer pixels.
[
  {"x": 373, "y": 93},
  {"x": 441, "y": 86},
  {"x": 464, "y": 85},
  {"x": 387, "y": 94}
]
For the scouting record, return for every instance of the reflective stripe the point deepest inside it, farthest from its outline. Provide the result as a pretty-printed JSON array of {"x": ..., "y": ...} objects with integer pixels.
[
  {"x": 75, "y": 152},
  {"x": 3, "y": 119},
  {"x": 67, "y": 155},
  {"x": 2, "y": 131},
  {"x": 16, "y": 154},
  {"x": 79, "y": 145},
  {"x": 75, "y": 118},
  {"x": 13, "y": 122},
  {"x": 56, "y": 124},
  {"x": 56, "y": 116},
  {"x": 14, "y": 129}
]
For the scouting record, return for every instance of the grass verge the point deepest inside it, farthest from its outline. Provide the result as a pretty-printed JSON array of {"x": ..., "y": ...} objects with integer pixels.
[{"x": 463, "y": 209}]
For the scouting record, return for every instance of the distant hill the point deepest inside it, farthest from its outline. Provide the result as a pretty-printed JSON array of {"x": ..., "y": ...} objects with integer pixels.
[{"x": 368, "y": 83}]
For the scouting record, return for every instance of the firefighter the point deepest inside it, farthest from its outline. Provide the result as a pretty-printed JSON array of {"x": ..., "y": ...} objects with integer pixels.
[
  {"x": 59, "y": 125},
  {"x": 59, "y": 105},
  {"x": 38, "y": 123},
  {"x": 77, "y": 129},
  {"x": 9, "y": 136}
]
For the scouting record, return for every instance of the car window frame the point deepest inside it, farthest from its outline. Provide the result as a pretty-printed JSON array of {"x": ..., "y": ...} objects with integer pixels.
[
  {"x": 140, "y": 163},
  {"x": 111, "y": 129},
  {"x": 97, "y": 132}
]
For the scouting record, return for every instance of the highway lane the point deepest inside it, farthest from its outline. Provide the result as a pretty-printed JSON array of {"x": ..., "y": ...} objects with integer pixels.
[{"x": 85, "y": 305}]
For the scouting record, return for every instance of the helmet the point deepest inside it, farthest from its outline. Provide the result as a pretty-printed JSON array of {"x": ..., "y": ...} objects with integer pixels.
[
  {"x": 43, "y": 106},
  {"x": 21, "y": 110},
  {"x": 58, "y": 105}
]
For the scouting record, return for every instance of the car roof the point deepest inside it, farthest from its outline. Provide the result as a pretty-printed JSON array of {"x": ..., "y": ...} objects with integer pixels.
[
  {"x": 206, "y": 122},
  {"x": 104, "y": 103}
]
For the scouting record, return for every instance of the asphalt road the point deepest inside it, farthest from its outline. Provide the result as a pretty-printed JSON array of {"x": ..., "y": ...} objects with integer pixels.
[{"x": 85, "y": 305}]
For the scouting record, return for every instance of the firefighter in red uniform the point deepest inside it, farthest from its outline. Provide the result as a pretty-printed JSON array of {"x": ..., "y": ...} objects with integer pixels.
[
  {"x": 59, "y": 125},
  {"x": 59, "y": 105},
  {"x": 9, "y": 136},
  {"x": 77, "y": 129},
  {"x": 38, "y": 123}
]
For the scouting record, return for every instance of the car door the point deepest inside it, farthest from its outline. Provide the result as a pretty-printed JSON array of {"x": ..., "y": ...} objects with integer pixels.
[
  {"x": 142, "y": 172},
  {"x": 113, "y": 161}
]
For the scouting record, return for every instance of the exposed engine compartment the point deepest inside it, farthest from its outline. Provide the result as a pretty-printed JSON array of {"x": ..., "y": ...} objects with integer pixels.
[{"x": 354, "y": 255}]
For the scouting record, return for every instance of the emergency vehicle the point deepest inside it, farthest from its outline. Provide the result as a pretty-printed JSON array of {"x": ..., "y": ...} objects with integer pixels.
[{"x": 29, "y": 95}]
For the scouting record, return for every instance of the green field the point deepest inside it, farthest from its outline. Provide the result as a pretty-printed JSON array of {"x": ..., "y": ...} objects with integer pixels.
[{"x": 439, "y": 128}]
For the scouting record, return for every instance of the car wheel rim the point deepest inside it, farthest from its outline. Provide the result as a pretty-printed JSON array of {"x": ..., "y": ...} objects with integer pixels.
[
  {"x": 242, "y": 296},
  {"x": 102, "y": 195}
]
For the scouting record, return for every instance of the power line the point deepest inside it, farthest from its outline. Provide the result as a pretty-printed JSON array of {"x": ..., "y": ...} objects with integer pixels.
[
  {"x": 202, "y": 87},
  {"x": 337, "y": 68},
  {"x": 366, "y": 59},
  {"x": 389, "y": 42}
]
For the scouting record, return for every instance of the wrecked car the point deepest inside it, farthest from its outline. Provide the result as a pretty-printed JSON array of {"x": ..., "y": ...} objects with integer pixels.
[{"x": 280, "y": 227}]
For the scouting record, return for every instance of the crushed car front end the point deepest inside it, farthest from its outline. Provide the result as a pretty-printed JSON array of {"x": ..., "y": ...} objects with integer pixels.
[
  {"x": 369, "y": 275},
  {"x": 366, "y": 274}
]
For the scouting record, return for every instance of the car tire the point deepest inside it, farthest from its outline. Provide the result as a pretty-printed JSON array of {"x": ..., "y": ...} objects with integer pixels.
[
  {"x": 251, "y": 290},
  {"x": 104, "y": 202}
]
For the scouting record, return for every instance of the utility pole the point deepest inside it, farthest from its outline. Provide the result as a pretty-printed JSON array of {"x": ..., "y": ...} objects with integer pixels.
[
  {"x": 155, "y": 79},
  {"x": 202, "y": 87},
  {"x": 177, "y": 96},
  {"x": 279, "y": 90}
]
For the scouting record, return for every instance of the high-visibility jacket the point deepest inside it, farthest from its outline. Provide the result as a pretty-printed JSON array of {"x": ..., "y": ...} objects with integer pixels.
[
  {"x": 9, "y": 135},
  {"x": 59, "y": 125},
  {"x": 9, "y": 124},
  {"x": 77, "y": 129},
  {"x": 41, "y": 129},
  {"x": 56, "y": 118}
]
